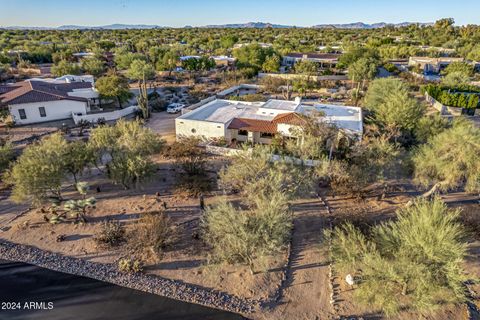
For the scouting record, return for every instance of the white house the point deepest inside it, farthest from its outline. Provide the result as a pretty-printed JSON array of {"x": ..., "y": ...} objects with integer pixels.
[
  {"x": 324, "y": 60},
  {"x": 36, "y": 101},
  {"x": 259, "y": 122}
]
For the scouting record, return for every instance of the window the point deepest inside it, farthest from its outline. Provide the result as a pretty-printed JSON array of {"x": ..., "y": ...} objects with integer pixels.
[
  {"x": 42, "y": 112},
  {"x": 22, "y": 113},
  {"x": 242, "y": 132},
  {"x": 266, "y": 135}
]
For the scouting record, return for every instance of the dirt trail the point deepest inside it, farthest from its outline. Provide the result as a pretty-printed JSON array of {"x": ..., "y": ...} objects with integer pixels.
[{"x": 306, "y": 294}]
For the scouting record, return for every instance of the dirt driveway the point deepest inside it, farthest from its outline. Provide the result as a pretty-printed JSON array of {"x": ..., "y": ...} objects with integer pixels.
[{"x": 163, "y": 123}]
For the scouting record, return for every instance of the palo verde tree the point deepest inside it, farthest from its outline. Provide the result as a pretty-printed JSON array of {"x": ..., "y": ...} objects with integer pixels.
[
  {"x": 450, "y": 159},
  {"x": 38, "y": 173},
  {"x": 392, "y": 108},
  {"x": 127, "y": 146},
  {"x": 413, "y": 263},
  {"x": 113, "y": 86}
]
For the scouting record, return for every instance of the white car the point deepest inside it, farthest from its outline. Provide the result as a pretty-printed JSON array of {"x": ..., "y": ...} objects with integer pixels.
[{"x": 175, "y": 107}]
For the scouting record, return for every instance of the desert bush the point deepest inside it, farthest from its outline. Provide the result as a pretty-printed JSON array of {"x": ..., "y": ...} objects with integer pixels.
[
  {"x": 111, "y": 233},
  {"x": 255, "y": 174},
  {"x": 243, "y": 236},
  {"x": 191, "y": 162},
  {"x": 151, "y": 235},
  {"x": 414, "y": 262}
]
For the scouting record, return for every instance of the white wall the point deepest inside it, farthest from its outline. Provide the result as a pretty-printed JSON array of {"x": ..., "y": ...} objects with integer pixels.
[
  {"x": 55, "y": 110},
  {"x": 183, "y": 127},
  {"x": 107, "y": 116}
]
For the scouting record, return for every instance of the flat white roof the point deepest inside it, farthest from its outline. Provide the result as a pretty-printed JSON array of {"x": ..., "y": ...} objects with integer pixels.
[
  {"x": 344, "y": 117},
  {"x": 223, "y": 111},
  {"x": 281, "y": 105}
]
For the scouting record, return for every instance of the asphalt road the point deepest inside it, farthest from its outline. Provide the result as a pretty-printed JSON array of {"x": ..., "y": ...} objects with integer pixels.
[{"x": 32, "y": 293}]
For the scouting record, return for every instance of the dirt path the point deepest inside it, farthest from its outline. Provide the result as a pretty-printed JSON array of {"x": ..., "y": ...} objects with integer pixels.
[{"x": 306, "y": 294}]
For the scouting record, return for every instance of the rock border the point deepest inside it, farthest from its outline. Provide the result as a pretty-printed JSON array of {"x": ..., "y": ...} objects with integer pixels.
[{"x": 164, "y": 287}]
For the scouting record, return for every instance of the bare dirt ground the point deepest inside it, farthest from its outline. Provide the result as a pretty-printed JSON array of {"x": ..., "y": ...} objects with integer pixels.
[
  {"x": 306, "y": 294},
  {"x": 185, "y": 258}
]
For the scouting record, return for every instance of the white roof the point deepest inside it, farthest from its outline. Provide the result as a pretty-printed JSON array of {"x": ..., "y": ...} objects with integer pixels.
[
  {"x": 223, "y": 111},
  {"x": 344, "y": 117},
  {"x": 281, "y": 105},
  {"x": 189, "y": 57}
]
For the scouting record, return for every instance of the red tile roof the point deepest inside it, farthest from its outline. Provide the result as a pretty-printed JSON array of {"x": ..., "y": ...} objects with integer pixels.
[
  {"x": 253, "y": 125},
  {"x": 291, "y": 118},
  {"x": 39, "y": 91}
]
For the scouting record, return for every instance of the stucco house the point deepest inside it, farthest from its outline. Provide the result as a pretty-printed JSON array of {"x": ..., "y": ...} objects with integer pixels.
[
  {"x": 259, "y": 122},
  {"x": 323, "y": 60},
  {"x": 35, "y": 101}
]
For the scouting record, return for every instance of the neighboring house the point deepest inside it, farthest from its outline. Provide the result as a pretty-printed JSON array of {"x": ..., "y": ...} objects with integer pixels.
[
  {"x": 34, "y": 101},
  {"x": 224, "y": 61},
  {"x": 432, "y": 65},
  {"x": 324, "y": 60},
  {"x": 259, "y": 122}
]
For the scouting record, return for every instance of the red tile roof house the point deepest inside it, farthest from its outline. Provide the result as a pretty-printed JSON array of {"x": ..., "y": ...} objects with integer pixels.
[
  {"x": 259, "y": 122},
  {"x": 36, "y": 101}
]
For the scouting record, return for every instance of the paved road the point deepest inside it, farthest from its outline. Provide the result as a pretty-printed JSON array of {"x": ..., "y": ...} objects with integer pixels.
[
  {"x": 78, "y": 298},
  {"x": 163, "y": 123}
]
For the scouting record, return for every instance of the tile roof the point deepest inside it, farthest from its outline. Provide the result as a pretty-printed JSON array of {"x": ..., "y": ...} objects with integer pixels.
[
  {"x": 291, "y": 118},
  {"x": 253, "y": 125},
  {"x": 39, "y": 91}
]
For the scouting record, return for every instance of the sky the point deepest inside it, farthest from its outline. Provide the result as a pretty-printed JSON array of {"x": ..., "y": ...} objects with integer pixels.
[{"x": 178, "y": 13}]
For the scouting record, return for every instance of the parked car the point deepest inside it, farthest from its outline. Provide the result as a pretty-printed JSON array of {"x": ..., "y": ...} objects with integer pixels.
[{"x": 175, "y": 107}]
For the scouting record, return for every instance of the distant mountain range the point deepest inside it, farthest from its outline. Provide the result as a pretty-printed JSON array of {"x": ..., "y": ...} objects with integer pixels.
[
  {"x": 361, "y": 25},
  {"x": 259, "y": 25}
]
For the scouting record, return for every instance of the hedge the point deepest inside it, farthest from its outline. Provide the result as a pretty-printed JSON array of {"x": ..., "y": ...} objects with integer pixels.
[{"x": 455, "y": 97}]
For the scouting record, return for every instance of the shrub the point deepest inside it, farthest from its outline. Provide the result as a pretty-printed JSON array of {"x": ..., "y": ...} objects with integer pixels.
[
  {"x": 191, "y": 160},
  {"x": 414, "y": 262},
  {"x": 242, "y": 236},
  {"x": 112, "y": 233},
  {"x": 151, "y": 235}
]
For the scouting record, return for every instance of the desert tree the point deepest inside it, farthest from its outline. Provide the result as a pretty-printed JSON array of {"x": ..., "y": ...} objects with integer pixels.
[
  {"x": 38, "y": 172},
  {"x": 126, "y": 148},
  {"x": 450, "y": 159},
  {"x": 392, "y": 108}
]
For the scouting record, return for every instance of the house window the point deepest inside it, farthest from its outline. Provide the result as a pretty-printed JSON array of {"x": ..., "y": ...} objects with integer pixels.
[
  {"x": 42, "y": 112},
  {"x": 242, "y": 132},
  {"x": 266, "y": 135},
  {"x": 22, "y": 113}
]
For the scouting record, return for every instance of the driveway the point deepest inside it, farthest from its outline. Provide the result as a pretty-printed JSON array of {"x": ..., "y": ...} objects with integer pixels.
[{"x": 163, "y": 123}]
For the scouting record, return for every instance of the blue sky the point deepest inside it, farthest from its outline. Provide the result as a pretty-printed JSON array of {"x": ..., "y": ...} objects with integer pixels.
[{"x": 178, "y": 13}]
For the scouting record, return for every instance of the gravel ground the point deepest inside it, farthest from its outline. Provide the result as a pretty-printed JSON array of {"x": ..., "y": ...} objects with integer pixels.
[{"x": 109, "y": 273}]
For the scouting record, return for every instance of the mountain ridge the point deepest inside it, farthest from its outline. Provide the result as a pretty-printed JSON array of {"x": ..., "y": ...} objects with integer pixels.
[{"x": 253, "y": 25}]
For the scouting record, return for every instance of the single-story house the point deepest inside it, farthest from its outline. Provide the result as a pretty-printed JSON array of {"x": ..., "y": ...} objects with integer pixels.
[
  {"x": 259, "y": 122},
  {"x": 324, "y": 60},
  {"x": 432, "y": 65},
  {"x": 34, "y": 101}
]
